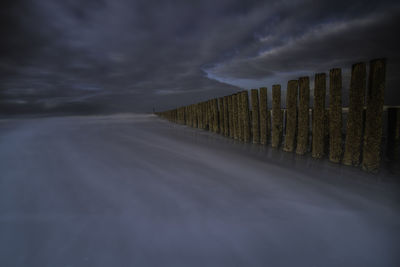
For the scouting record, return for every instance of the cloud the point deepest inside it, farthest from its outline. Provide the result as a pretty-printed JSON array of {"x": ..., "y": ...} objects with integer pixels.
[{"x": 120, "y": 55}]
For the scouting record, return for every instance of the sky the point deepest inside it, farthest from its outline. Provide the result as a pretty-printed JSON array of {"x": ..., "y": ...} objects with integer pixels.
[{"x": 106, "y": 56}]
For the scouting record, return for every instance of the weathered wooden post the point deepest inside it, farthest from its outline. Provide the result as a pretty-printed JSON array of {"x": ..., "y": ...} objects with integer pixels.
[
  {"x": 205, "y": 124},
  {"x": 199, "y": 122},
  {"x": 269, "y": 125},
  {"x": 221, "y": 115},
  {"x": 186, "y": 115},
  {"x": 373, "y": 121},
  {"x": 326, "y": 132},
  {"x": 216, "y": 115},
  {"x": 255, "y": 116},
  {"x": 318, "y": 122},
  {"x": 209, "y": 116},
  {"x": 182, "y": 115},
  {"x": 235, "y": 116},
  {"x": 191, "y": 115},
  {"x": 192, "y": 118},
  {"x": 335, "y": 115},
  {"x": 393, "y": 141},
  {"x": 263, "y": 115},
  {"x": 291, "y": 116},
  {"x": 304, "y": 114},
  {"x": 194, "y": 125},
  {"x": 240, "y": 116},
  {"x": 230, "y": 116},
  {"x": 354, "y": 127},
  {"x": 226, "y": 116},
  {"x": 276, "y": 116},
  {"x": 246, "y": 117},
  {"x": 200, "y": 114},
  {"x": 189, "y": 118}
]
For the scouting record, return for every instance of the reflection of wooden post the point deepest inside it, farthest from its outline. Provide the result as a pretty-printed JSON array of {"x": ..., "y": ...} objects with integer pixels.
[
  {"x": 304, "y": 114},
  {"x": 318, "y": 123},
  {"x": 226, "y": 116},
  {"x": 221, "y": 115},
  {"x": 230, "y": 114},
  {"x": 235, "y": 116},
  {"x": 291, "y": 115},
  {"x": 393, "y": 142},
  {"x": 276, "y": 116},
  {"x": 263, "y": 115},
  {"x": 246, "y": 116},
  {"x": 255, "y": 116},
  {"x": 355, "y": 115},
  {"x": 335, "y": 115},
  {"x": 373, "y": 122}
]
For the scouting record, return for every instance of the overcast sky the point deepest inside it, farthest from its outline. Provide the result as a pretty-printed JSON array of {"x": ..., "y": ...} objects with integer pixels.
[{"x": 128, "y": 55}]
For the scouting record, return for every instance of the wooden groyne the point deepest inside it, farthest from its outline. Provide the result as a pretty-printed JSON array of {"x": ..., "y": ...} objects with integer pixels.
[{"x": 357, "y": 143}]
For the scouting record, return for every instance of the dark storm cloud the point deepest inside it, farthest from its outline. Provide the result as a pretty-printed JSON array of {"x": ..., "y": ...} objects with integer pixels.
[{"x": 120, "y": 55}]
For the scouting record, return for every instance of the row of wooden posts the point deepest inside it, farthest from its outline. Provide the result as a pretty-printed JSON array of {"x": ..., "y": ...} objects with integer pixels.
[{"x": 231, "y": 116}]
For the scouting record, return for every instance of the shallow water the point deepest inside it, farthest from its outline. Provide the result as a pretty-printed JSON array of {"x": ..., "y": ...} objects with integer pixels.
[{"x": 134, "y": 190}]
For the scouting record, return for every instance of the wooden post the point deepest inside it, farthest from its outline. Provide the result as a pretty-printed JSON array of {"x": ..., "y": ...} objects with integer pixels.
[
  {"x": 230, "y": 114},
  {"x": 221, "y": 115},
  {"x": 215, "y": 115},
  {"x": 263, "y": 115},
  {"x": 393, "y": 142},
  {"x": 255, "y": 116},
  {"x": 198, "y": 116},
  {"x": 186, "y": 115},
  {"x": 235, "y": 116},
  {"x": 239, "y": 98},
  {"x": 226, "y": 116},
  {"x": 204, "y": 114},
  {"x": 354, "y": 127},
  {"x": 373, "y": 122},
  {"x": 335, "y": 115},
  {"x": 276, "y": 116},
  {"x": 203, "y": 117},
  {"x": 246, "y": 116},
  {"x": 304, "y": 114},
  {"x": 318, "y": 122},
  {"x": 209, "y": 116},
  {"x": 198, "y": 112},
  {"x": 326, "y": 132},
  {"x": 240, "y": 115},
  {"x": 194, "y": 124},
  {"x": 269, "y": 125},
  {"x": 291, "y": 116}
]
